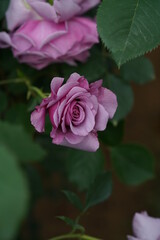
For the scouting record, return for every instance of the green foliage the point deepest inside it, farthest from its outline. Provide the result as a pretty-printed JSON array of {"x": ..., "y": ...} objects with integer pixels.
[
  {"x": 133, "y": 164},
  {"x": 139, "y": 70},
  {"x": 19, "y": 114},
  {"x": 113, "y": 134},
  {"x": 74, "y": 199},
  {"x": 124, "y": 95},
  {"x": 82, "y": 167},
  {"x": 100, "y": 190},
  {"x": 3, "y": 101},
  {"x": 92, "y": 70},
  {"x": 14, "y": 194},
  {"x": 129, "y": 28},
  {"x": 20, "y": 142},
  {"x": 3, "y": 7}
]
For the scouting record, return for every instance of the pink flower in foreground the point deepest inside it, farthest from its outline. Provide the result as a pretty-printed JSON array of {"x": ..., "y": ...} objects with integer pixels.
[
  {"x": 39, "y": 43},
  {"x": 77, "y": 110},
  {"x": 20, "y": 11},
  {"x": 145, "y": 227}
]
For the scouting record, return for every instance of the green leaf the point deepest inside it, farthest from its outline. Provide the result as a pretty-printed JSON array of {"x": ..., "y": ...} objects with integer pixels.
[
  {"x": 82, "y": 167},
  {"x": 124, "y": 95},
  {"x": 129, "y": 28},
  {"x": 139, "y": 70},
  {"x": 113, "y": 134},
  {"x": 74, "y": 199},
  {"x": 100, "y": 190},
  {"x": 14, "y": 195},
  {"x": 3, "y": 7},
  {"x": 20, "y": 142},
  {"x": 133, "y": 164},
  {"x": 92, "y": 70},
  {"x": 3, "y": 101},
  {"x": 71, "y": 223}
]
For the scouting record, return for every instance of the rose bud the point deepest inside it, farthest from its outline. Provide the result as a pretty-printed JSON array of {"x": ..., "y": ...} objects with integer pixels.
[
  {"x": 77, "y": 110},
  {"x": 40, "y": 42},
  {"x": 145, "y": 227}
]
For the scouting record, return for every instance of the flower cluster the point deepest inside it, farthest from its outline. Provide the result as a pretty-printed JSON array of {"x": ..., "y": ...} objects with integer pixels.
[
  {"x": 41, "y": 33},
  {"x": 77, "y": 110}
]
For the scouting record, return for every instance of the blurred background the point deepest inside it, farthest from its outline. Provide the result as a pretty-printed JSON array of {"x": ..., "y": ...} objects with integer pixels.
[{"x": 112, "y": 219}]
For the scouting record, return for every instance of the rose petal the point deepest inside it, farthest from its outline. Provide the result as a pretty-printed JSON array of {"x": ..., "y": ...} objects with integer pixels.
[
  {"x": 86, "y": 126},
  {"x": 101, "y": 118},
  {"x": 38, "y": 119},
  {"x": 56, "y": 84},
  {"x": 146, "y": 227},
  {"x": 89, "y": 143},
  {"x": 57, "y": 136}
]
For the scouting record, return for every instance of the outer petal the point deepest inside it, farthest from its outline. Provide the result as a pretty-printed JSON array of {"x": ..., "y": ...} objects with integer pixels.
[
  {"x": 109, "y": 101},
  {"x": 38, "y": 118},
  {"x": 5, "y": 40},
  {"x": 57, "y": 136},
  {"x": 56, "y": 84},
  {"x": 146, "y": 227},
  {"x": 90, "y": 143},
  {"x": 18, "y": 12},
  {"x": 101, "y": 118},
  {"x": 44, "y": 9}
]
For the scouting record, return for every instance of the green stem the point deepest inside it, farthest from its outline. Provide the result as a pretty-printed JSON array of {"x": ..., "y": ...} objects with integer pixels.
[
  {"x": 31, "y": 89},
  {"x": 71, "y": 236},
  {"x": 16, "y": 80}
]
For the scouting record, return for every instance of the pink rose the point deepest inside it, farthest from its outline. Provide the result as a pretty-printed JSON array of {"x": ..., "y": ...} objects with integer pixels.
[
  {"x": 145, "y": 227},
  {"x": 77, "y": 110},
  {"x": 41, "y": 42},
  {"x": 20, "y": 11}
]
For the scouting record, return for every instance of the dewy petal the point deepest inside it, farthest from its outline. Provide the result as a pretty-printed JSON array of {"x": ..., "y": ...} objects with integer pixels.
[
  {"x": 101, "y": 118},
  {"x": 38, "y": 118},
  {"x": 89, "y": 143},
  {"x": 146, "y": 227}
]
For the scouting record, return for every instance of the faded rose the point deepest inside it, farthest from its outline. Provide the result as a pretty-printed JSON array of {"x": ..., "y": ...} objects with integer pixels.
[
  {"x": 145, "y": 227},
  {"x": 20, "y": 11},
  {"x": 41, "y": 42},
  {"x": 77, "y": 110}
]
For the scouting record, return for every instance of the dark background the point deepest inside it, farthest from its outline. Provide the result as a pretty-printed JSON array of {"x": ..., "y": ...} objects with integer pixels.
[{"x": 112, "y": 219}]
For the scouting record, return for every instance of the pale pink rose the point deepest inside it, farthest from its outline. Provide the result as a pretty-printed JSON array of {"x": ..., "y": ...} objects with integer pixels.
[
  {"x": 41, "y": 42},
  {"x": 77, "y": 110},
  {"x": 145, "y": 227},
  {"x": 21, "y": 10}
]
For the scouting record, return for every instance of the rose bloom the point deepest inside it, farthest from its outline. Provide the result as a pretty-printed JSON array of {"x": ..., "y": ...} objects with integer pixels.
[
  {"x": 41, "y": 42},
  {"x": 145, "y": 227},
  {"x": 77, "y": 110},
  {"x": 20, "y": 11}
]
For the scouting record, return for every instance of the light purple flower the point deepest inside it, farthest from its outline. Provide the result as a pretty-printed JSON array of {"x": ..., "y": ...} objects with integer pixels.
[
  {"x": 145, "y": 227},
  {"x": 41, "y": 42},
  {"x": 20, "y": 11},
  {"x": 77, "y": 110}
]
